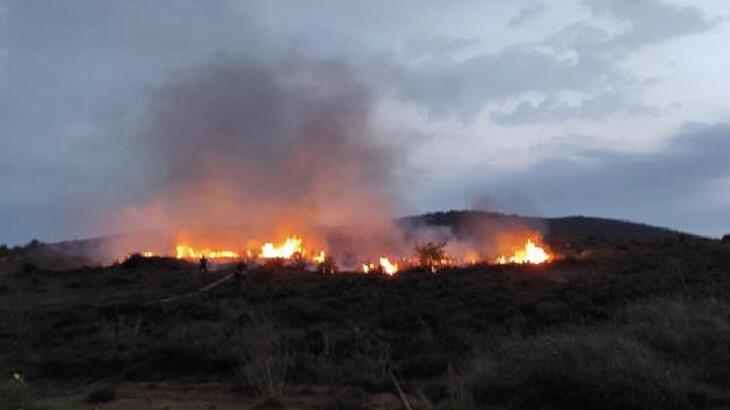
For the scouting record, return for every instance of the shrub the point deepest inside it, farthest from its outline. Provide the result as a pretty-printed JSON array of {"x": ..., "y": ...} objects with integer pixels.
[
  {"x": 430, "y": 254},
  {"x": 14, "y": 392},
  {"x": 102, "y": 394},
  {"x": 26, "y": 270},
  {"x": 134, "y": 261},
  {"x": 121, "y": 332},
  {"x": 196, "y": 348},
  {"x": 264, "y": 356},
  {"x": 33, "y": 244},
  {"x": 568, "y": 370},
  {"x": 694, "y": 332}
]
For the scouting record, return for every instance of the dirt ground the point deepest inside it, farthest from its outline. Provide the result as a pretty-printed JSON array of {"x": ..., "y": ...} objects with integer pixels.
[{"x": 216, "y": 396}]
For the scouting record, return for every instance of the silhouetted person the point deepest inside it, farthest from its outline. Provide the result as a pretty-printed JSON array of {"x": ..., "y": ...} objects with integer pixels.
[
  {"x": 203, "y": 264},
  {"x": 239, "y": 274},
  {"x": 241, "y": 269}
]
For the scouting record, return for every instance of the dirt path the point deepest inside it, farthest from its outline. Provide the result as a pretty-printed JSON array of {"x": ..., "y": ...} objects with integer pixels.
[{"x": 216, "y": 396}]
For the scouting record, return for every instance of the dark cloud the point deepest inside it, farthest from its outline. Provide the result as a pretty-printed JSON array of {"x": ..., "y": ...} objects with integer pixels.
[
  {"x": 669, "y": 187},
  {"x": 69, "y": 70}
]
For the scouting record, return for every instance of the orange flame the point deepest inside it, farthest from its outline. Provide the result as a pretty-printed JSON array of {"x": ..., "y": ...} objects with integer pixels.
[
  {"x": 291, "y": 246},
  {"x": 388, "y": 267},
  {"x": 531, "y": 253},
  {"x": 188, "y": 252},
  {"x": 319, "y": 258},
  {"x": 385, "y": 264}
]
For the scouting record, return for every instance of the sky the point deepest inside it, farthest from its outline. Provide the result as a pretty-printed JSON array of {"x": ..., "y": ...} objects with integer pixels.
[{"x": 612, "y": 108}]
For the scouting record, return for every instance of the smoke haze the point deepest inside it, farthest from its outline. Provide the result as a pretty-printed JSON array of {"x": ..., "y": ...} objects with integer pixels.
[{"x": 266, "y": 150}]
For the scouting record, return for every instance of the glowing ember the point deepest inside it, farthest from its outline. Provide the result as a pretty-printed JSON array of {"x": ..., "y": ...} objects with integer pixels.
[
  {"x": 188, "y": 252},
  {"x": 530, "y": 254},
  {"x": 286, "y": 250},
  {"x": 147, "y": 254}
]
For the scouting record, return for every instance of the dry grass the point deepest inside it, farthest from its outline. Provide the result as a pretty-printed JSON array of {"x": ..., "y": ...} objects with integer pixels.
[{"x": 265, "y": 356}]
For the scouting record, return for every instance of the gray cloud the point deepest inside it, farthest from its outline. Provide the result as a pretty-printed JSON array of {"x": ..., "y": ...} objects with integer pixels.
[
  {"x": 437, "y": 46},
  {"x": 579, "y": 58},
  {"x": 595, "y": 107},
  {"x": 72, "y": 69},
  {"x": 75, "y": 76},
  {"x": 466, "y": 86},
  {"x": 667, "y": 187},
  {"x": 651, "y": 21},
  {"x": 527, "y": 13}
]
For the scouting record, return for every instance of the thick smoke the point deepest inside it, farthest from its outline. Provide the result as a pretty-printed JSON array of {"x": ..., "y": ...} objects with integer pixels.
[{"x": 248, "y": 150}]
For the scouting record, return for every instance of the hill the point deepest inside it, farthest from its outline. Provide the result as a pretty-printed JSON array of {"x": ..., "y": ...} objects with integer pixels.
[
  {"x": 561, "y": 233},
  {"x": 571, "y": 228},
  {"x": 640, "y": 326}
]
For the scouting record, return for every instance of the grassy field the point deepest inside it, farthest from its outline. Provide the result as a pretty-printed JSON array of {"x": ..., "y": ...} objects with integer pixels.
[{"x": 641, "y": 326}]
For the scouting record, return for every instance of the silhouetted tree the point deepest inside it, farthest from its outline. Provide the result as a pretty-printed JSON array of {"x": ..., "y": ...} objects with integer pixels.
[
  {"x": 430, "y": 254},
  {"x": 33, "y": 244},
  {"x": 328, "y": 265}
]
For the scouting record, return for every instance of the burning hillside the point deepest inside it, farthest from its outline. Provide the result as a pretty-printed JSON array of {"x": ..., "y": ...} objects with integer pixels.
[
  {"x": 531, "y": 253},
  {"x": 252, "y": 161},
  {"x": 292, "y": 251}
]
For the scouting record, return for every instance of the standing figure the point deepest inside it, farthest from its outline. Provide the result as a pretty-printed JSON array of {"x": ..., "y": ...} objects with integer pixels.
[
  {"x": 240, "y": 273},
  {"x": 203, "y": 264}
]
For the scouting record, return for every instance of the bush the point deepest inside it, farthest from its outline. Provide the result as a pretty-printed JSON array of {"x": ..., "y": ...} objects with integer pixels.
[
  {"x": 196, "y": 348},
  {"x": 567, "y": 370},
  {"x": 102, "y": 394},
  {"x": 430, "y": 254},
  {"x": 265, "y": 357},
  {"x": 134, "y": 261},
  {"x": 14, "y": 393},
  {"x": 27, "y": 269},
  {"x": 694, "y": 332}
]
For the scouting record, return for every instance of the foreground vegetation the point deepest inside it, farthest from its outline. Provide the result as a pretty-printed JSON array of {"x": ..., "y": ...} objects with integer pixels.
[{"x": 638, "y": 325}]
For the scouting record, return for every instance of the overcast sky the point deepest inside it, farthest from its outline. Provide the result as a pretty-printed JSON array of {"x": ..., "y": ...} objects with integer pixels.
[{"x": 615, "y": 108}]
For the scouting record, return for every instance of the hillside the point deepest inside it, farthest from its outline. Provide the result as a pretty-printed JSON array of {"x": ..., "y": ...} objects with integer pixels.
[
  {"x": 560, "y": 233},
  {"x": 640, "y": 326},
  {"x": 570, "y": 228}
]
